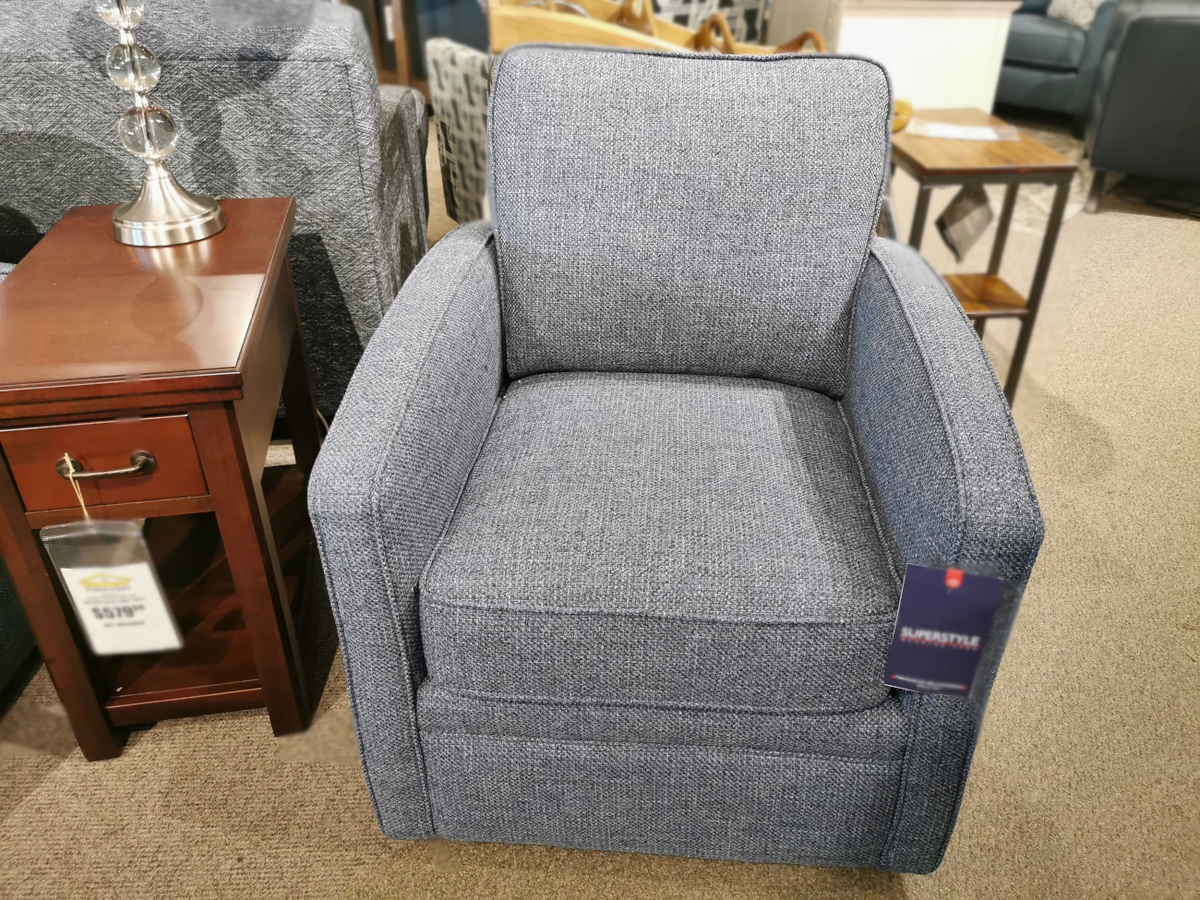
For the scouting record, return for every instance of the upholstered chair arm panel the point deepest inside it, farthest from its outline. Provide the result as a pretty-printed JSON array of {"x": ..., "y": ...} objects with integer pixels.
[
  {"x": 937, "y": 443},
  {"x": 404, "y": 196},
  {"x": 947, "y": 476},
  {"x": 384, "y": 487}
]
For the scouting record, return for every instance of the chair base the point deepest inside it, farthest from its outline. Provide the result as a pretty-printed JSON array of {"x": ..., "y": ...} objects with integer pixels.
[{"x": 707, "y": 802}]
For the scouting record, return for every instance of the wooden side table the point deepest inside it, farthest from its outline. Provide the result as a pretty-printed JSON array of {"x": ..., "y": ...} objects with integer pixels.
[
  {"x": 183, "y": 352},
  {"x": 936, "y": 162}
]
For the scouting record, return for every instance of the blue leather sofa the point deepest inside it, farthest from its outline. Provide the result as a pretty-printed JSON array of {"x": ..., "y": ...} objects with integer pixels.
[
  {"x": 1052, "y": 65},
  {"x": 1144, "y": 114}
]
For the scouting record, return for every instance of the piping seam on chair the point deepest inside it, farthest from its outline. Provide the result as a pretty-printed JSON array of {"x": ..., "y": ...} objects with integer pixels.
[
  {"x": 862, "y": 474},
  {"x": 956, "y": 452},
  {"x": 520, "y": 699},
  {"x": 915, "y": 724},
  {"x": 481, "y": 603},
  {"x": 998, "y": 393},
  {"x": 559, "y": 743},
  {"x": 351, "y": 678}
]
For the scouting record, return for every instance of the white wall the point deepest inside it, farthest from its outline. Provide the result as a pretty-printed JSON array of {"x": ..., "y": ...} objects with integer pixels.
[{"x": 939, "y": 53}]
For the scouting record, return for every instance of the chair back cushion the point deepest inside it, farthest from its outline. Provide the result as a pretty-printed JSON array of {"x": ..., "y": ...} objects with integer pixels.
[{"x": 683, "y": 213}]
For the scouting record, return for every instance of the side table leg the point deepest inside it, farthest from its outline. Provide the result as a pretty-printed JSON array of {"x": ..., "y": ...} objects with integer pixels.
[
  {"x": 297, "y": 390},
  {"x": 254, "y": 563},
  {"x": 1006, "y": 214},
  {"x": 58, "y": 637},
  {"x": 1001, "y": 239},
  {"x": 1040, "y": 275},
  {"x": 1095, "y": 192},
  {"x": 919, "y": 216}
]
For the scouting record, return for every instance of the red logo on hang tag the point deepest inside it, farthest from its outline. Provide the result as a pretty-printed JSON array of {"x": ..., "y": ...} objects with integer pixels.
[{"x": 954, "y": 578}]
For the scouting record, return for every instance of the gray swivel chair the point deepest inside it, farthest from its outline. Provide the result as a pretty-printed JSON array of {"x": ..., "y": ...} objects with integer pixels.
[
  {"x": 1052, "y": 65},
  {"x": 614, "y": 513},
  {"x": 274, "y": 98}
]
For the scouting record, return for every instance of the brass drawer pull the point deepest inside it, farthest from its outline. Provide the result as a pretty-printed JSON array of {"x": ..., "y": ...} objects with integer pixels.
[{"x": 141, "y": 462}]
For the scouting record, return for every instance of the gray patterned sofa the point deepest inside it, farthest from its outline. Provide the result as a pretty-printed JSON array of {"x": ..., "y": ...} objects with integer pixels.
[
  {"x": 273, "y": 98},
  {"x": 615, "y": 511},
  {"x": 458, "y": 92}
]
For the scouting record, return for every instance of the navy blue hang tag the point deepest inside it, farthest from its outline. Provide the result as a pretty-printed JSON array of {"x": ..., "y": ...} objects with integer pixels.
[{"x": 942, "y": 628}]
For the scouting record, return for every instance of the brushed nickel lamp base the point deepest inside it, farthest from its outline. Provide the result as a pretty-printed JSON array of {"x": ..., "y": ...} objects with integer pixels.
[{"x": 165, "y": 214}]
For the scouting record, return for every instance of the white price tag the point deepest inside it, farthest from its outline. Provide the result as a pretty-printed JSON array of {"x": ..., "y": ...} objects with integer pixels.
[{"x": 122, "y": 609}]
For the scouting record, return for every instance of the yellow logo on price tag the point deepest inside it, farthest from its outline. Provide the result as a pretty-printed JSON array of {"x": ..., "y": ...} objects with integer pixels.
[{"x": 102, "y": 580}]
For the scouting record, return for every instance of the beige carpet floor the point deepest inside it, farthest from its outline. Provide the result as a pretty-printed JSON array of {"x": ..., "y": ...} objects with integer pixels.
[{"x": 1086, "y": 782}]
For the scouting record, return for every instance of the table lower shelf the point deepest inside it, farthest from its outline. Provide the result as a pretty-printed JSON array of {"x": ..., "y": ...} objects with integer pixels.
[
  {"x": 215, "y": 670},
  {"x": 987, "y": 297}
]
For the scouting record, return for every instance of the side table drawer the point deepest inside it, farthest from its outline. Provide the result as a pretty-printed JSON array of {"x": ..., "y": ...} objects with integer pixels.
[{"x": 32, "y": 454}]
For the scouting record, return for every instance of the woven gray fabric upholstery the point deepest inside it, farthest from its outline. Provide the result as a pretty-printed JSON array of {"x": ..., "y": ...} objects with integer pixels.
[
  {"x": 289, "y": 109},
  {"x": 687, "y": 800},
  {"x": 722, "y": 234},
  {"x": 926, "y": 411},
  {"x": 875, "y": 733},
  {"x": 384, "y": 487},
  {"x": 625, "y": 595},
  {"x": 662, "y": 538}
]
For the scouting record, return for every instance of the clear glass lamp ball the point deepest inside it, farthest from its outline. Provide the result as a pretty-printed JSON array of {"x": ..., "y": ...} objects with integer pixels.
[
  {"x": 148, "y": 132},
  {"x": 121, "y": 14},
  {"x": 132, "y": 68}
]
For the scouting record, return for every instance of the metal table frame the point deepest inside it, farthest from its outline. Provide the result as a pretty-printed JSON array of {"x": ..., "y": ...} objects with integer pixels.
[{"x": 1012, "y": 182}]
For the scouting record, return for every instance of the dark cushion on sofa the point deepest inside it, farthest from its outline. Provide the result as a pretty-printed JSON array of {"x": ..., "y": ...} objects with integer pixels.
[
  {"x": 664, "y": 539},
  {"x": 1043, "y": 42}
]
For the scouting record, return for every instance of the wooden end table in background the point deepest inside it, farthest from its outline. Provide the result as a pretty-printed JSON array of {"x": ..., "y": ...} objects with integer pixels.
[
  {"x": 937, "y": 162},
  {"x": 183, "y": 352}
]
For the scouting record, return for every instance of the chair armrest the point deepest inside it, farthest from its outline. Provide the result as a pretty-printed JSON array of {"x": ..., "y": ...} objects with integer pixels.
[
  {"x": 384, "y": 487},
  {"x": 937, "y": 442},
  {"x": 948, "y": 482},
  {"x": 404, "y": 191}
]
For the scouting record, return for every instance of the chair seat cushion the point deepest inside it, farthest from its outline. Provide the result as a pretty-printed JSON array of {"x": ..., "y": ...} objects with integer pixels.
[
  {"x": 663, "y": 539},
  {"x": 1044, "y": 43}
]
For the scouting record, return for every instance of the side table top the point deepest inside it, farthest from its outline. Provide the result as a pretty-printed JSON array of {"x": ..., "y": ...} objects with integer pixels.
[
  {"x": 83, "y": 316},
  {"x": 925, "y": 156}
]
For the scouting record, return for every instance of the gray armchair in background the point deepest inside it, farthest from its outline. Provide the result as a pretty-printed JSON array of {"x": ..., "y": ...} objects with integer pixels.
[
  {"x": 615, "y": 512},
  {"x": 1052, "y": 65},
  {"x": 273, "y": 99},
  {"x": 1145, "y": 111}
]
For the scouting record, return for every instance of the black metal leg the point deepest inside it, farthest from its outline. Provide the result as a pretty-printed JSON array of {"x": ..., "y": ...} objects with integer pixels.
[
  {"x": 922, "y": 212},
  {"x": 1006, "y": 214},
  {"x": 1095, "y": 192},
  {"x": 886, "y": 226},
  {"x": 1035, "y": 291},
  {"x": 979, "y": 325},
  {"x": 887, "y": 219}
]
